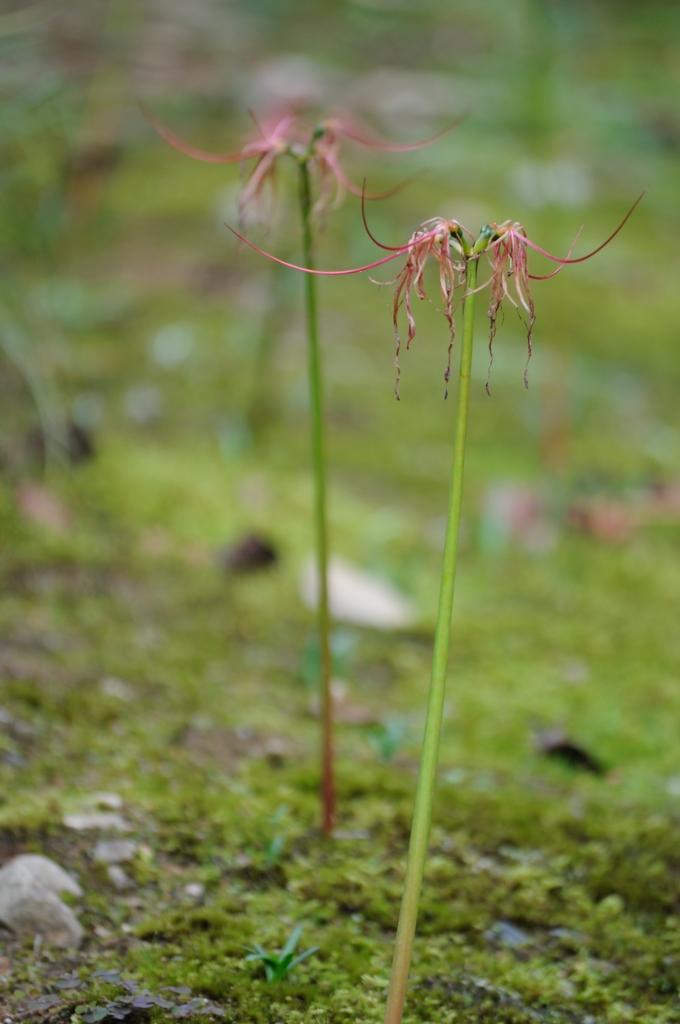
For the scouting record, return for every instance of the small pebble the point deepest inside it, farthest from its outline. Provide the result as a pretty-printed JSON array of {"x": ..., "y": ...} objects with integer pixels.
[
  {"x": 118, "y": 877},
  {"x": 109, "y": 801},
  {"x": 506, "y": 934},
  {"x": 37, "y": 504},
  {"x": 575, "y": 671},
  {"x": 569, "y": 934},
  {"x": 103, "y": 820},
  {"x": 114, "y": 851},
  {"x": 195, "y": 889},
  {"x": 114, "y": 687}
]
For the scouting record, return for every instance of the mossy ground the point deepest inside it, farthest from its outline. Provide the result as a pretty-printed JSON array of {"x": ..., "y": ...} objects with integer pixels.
[
  {"x": 586, "y": 867},
  {"x": 579, "y": 633}
]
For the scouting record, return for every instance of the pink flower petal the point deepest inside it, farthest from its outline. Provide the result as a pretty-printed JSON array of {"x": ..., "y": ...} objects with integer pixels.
[
  {"x": 580, "y": 259},
  {"x": 323, "y": 273},
  {"x": 391, "y": 147},
  {"x": 198, "y": 154}
]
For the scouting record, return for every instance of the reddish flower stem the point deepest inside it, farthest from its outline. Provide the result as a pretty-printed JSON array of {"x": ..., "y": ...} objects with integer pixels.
[{"x": 320, "y": 517}]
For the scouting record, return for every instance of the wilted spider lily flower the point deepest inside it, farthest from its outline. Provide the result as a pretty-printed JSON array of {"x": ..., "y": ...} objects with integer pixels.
[
  {"x": 457, "y": 255},
  {"x": 507, "y": 254},
  {"x": 323, "y": 151},
  {"x": 287, "y": 134},
  {"x": 443, "y": 241},
  {"x": 452, "y": 247},
  {"x": 508, "y": 257}
]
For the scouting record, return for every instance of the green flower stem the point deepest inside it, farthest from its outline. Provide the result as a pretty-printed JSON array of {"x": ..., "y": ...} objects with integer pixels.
[
  {"x": 320, "y": 521},
  {"x": 422, "y": 814}
]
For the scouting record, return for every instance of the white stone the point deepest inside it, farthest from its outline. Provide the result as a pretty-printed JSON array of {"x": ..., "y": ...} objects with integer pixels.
[
  {"x": 357, "y": 597},
  {"x": 118, "y": 877},
  {"x": 46, "y": 871},
  {"x": 103, "y": 820},
  {"x": 117, "y": 688},
  {"x": 195, "y": 889},
  {"x": 114, "y": 851},
  {"x": 29, "y": 900},
  {"x": 109, "y": 801}
]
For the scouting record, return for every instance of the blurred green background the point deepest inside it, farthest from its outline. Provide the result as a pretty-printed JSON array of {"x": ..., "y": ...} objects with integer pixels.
[{"x": 126, "y": 311}]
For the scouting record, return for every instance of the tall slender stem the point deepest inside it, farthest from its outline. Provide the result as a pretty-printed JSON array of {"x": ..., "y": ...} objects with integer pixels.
[
  {"x": 320, "y": 521},
  {"x": 422, "y": 814}
]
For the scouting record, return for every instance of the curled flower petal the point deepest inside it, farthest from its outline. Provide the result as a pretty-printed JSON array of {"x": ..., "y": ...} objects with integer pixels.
[
  {"x": 392, "y": 248},
  {"x": 546, "y": 277},
  {"x": 391, "y": 147},
  {"x": 388, "y": 248},
  {"x": 310, "y": 270},
  {"x": 192, "y": 151},
  {"x": 330, "y": 159},
  {"x": 580, "y": 259},
  {"x": 279, "y": 129}
]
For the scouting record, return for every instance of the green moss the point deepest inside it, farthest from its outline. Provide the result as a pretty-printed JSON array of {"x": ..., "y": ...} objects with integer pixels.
[{"x": 586, "y": 868}]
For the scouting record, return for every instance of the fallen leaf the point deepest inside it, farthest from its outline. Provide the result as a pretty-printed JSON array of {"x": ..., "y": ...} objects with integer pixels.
[
  {"x": 37, "y": 504},
  {"x": 607, "y": 520},
  {"x": 248, "y": 555},
  {"x": 555, "y": 743},
  {"x": 515, "y": 512},
  {"x": 357, "y": 597},
  {"x": 196, "y": 555},
  {"x": 155, "y": 541}
]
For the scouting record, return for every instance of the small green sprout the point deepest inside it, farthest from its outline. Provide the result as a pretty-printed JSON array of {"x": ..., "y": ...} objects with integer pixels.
[
  {"x": 273, "y": 850},
  {"x": 272, "y": 838},
  {"x": 277, "y": 966},
  {"x": 387, "y": 738},
  {"x": 343, "y": 643}
]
